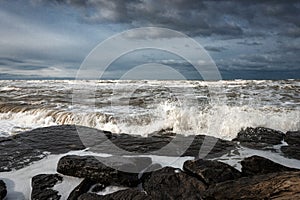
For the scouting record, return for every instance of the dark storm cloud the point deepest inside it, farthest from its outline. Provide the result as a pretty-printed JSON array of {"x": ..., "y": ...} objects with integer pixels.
[
  {"x": 53, "y": 36},
  {"x": 213, "y": 48},
  {"x": 249, "y": 43},
  {"x": 18, "y": 64},
  {"x": 225, "y": 18},
  {"x": 5, "y": 60}
]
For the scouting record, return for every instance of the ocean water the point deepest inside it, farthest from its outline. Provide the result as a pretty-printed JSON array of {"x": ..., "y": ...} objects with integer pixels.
[
  {"x": 219, "y": 108},
  {"x": 144, "y": 107}
]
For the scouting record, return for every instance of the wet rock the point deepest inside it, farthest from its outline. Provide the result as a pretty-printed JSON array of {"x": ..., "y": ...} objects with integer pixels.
[
  {"x": 3, "y": 190},
  {"x": 97, "y": 188},
  {"x": 283, "y": 185},
  {"x": 292, "y": 138},
  {"x": 204, "y": 146},
  {"x": 255, "y": 165},
  {"x": 210, "y": 171},
  {"x": 22, "y": 149},
  {"x": 180, "y": 145},
  {"x": 149, "y": 170},
  {"x": 259, "y": 138},
  {"x": 172, "y": 183},
  {"x": 82, "y": 188},
  {"x": 122, "y": 170},
  {"x": 128, "y": 194},
  {"x": 42, "y": 185},
  {"x": 291, "y": 151}
]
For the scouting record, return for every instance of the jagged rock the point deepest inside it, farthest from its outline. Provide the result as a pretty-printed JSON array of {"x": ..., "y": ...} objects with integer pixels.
[
  {"x": 42, "y": 185},
  {"x": 94, "y": 169},
  {"x": 22, "y": 149},
  {"x": 172, "y": 183},
  {"x": 128, "y": 194},
  {"x": 82, "y": 188},
  {"x": 291, "y": 151},
  {"x": 255, "y": 165},
  {"x": 259, "y": 138},
  {"x": 283, "y": 185},
  {"x": 3, "y": 190},
  {"x": 210, "y": 171},
  {"x": 292, "y": 138}
]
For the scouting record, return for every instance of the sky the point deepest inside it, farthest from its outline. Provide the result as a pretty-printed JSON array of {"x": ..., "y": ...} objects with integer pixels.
[{"x": 50, "y": 39}]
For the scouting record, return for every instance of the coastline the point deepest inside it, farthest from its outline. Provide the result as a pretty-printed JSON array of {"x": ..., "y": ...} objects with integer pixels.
[{"x": 48, "y": 145}]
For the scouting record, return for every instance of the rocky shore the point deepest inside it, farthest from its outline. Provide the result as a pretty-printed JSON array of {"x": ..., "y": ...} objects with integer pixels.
[{"x": 139, "y": 177}]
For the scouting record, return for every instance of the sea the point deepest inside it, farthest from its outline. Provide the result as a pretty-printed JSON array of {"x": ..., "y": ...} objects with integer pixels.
[
  {"x": 217, "y": 108},
  {"x": 144, "y": 107}
]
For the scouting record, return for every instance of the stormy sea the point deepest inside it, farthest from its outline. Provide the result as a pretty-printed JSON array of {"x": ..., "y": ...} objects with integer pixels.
[{"x": 88, "y": 139}]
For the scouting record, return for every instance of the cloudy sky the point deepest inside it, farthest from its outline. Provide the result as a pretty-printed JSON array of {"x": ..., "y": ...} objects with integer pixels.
[{"x": 255, "y": 39}]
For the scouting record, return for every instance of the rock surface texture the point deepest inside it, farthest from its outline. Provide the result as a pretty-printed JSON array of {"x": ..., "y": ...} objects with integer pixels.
[
  {"x": 283, "y": 185},
  {"x": 259, "y": 138},
  {"x": 256, "y": 165},
  {"x": 3, "y": 190},
  {"x": 211, "y": 172},
  {"x": 293, "y": 148},
  {"x": 172, "y": 183},
  {"x": 42, "y": 185}
]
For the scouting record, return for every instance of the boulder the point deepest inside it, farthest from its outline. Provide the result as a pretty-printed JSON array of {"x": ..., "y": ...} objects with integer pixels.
[
  {"x": 283, "y": 185},
  {"x": 292, "y": 138},
  {"x": 172, "y": 183},
  {"x": 82, "y": 188},
  {"x": 210, "y": 171},
  {"x": 291, "y": 151},
  {"x": 42, "y": 185},
  {"x": 256, "y": 165},
  {"x": 259, "y": 138},
  {"x": 3, "y": 190},
  {"x": 128, "y": 194},
  {"x": 121, "y": 172},
  {"x": 293, "y": 148}
]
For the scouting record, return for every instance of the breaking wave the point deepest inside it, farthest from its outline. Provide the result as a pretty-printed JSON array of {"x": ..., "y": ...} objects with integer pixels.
[{"x": 166, "y": 116}]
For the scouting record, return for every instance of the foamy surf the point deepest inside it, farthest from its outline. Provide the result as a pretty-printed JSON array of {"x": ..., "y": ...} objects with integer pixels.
[{"x": 144, "y": 107}]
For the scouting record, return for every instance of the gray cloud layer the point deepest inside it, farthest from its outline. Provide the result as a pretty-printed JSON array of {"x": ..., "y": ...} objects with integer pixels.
[
  {"x": 53, "y": 36},
  {"x": 225, "y": 18}
]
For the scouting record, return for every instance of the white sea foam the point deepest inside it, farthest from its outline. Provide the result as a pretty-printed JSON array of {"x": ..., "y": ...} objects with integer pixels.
[
  {"x": 18, "y": 182},
  {"x": 188, "y": 121},
  {"x": 187, "y": 107}
]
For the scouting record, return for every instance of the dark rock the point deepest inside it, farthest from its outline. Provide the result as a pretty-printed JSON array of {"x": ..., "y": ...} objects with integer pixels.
[
  {"x": 93, "y": 168},
  {"x": 210, "y": 171},
  {"x": 172, "y": 183},
  {"x": 204, "y": 146},
  {"x": 97, "y": 187},
  {"x": 42, "y": 187},
  {"x": 128, "y": 194},
  {"x": 283, "y": 185},
  {"x": 82, "y": 188},
  {"x": 181, "y": 145},
  {"x": 292, "y": 138},
  {"x": 3, "y": 190},
  {"x": 259, "y": 138},
  {"x": 291, "y": 151},
  {"x": 255, "y": 165},
  {"x": 148, "y": 171},
  {"x": 22, "y": 149}
]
